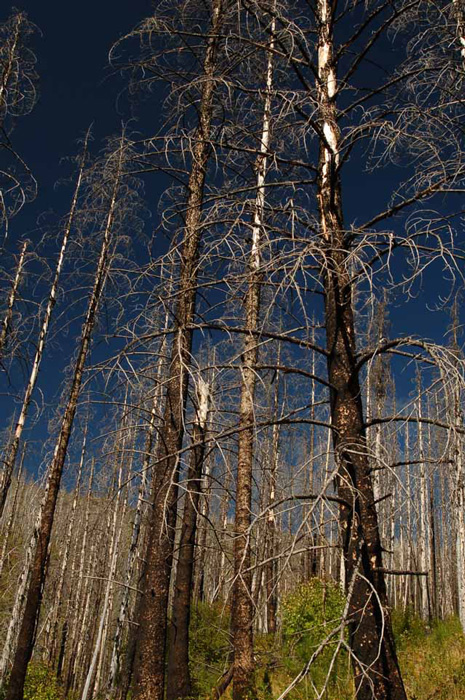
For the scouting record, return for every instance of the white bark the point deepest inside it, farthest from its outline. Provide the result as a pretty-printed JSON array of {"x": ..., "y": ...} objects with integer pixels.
[
  {"x": 423, "y": 522},
  {"x": 12, "y": 450},
  {"x": 6, "y": 323},
  {"x": 118, "y": 517},
  {"x": 12, "y": 514}
]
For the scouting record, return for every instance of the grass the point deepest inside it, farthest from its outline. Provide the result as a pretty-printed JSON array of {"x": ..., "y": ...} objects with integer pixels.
[{"x": 432, "y": 659}]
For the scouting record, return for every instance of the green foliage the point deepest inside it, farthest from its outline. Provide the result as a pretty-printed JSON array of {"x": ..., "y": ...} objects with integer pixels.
[
  {"x": 309, "y": 615},
  {"x": 408, "y": 627},
  {"x": 41, "y": 684},
  {"x": 209, "y": 644},
  {"x": 432, "y": 659}
]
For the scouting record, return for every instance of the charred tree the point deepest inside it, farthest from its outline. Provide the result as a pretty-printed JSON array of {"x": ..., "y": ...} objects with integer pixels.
[
  {"x": 149, "y": 662},
  {"x": 43, "y": 528},
  {"x": 179, "y": 683}
]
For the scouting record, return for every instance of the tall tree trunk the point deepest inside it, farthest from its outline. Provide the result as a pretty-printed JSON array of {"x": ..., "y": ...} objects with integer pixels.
[
  {"x": 115, "y": 682},
  {"x": 43, "y": 528},
  {"x": 149, "y": 662},
  {"x": 271, "y": 580},
  {"x": 76, "y": 609},
  {"x": 52, "y": 627},
  {"x": 376, "y": 669},
  {"x": 6, "y": 323},
  {"x": 423, "y": 521},
  {"x": 179, "y": 684},
  {"x": 99, "y": 646},
  {"x": 12, "y": 451},
  {"x": 12, "y": 513},
  {"x": 242, "y": 612}
]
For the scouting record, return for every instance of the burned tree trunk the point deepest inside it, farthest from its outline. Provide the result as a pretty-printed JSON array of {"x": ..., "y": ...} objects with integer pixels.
[
  {"x": 179, "y": 684},
  {"x": 376, "y": 669},
  {"x": 43, "y": 528},
  {"x": 149, "y": 662}
]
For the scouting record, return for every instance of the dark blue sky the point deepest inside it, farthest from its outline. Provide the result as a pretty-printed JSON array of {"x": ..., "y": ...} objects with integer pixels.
[{"x": 75, "y": 86}]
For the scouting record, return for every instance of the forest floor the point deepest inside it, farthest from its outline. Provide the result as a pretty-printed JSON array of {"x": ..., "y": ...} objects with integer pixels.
[{"x": 432, "y": 658}]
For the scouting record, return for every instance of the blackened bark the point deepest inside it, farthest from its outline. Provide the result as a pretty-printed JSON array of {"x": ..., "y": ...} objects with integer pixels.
[
  {"x": 242, "y": 609},
  {"x": 376, "y": 669},
  {"x": 43, "y": 527},
  {"x": 179, "y": 684},
  {"x": 149, "y": 661}
]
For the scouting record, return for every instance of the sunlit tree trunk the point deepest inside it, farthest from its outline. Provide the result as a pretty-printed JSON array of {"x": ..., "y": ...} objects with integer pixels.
[
  {"x": 6, "y": 323},
  {"x": 76, "y": 599},
  {"x": 12, "y": 450},
  {"x": 242, "y": 602},
  {"x": 12, "y": 514},
  {"x": 92, "y": 682}
]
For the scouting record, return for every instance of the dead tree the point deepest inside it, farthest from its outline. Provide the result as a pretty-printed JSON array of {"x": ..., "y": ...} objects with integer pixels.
[
  {"x": 18, "y": 96},
  {"x": 7, "y": 319},
  {"x": 179, "y": 683},
  {"x": 115, "y": 170},
  {"x": 12, "y": 450},
  {"x": 149, "y": 663}
]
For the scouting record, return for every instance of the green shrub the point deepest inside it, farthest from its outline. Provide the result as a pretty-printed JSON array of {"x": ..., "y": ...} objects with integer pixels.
[
  {"x": 309, "y": 615},
  {"x": 41, "y": 684},
  {"x": 209, "y": 644}
]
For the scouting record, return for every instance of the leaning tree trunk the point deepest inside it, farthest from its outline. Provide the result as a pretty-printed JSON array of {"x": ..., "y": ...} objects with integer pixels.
[
  {"x": 12, "y": 451},
  {"x": 43, "y": 527},
  {"x": 149, "y": 662},
  {"x": 179, "y": 684},
  {"x": 376, "y": 669},
  {"x": 51, "y": 633},
  {"x": 12, "y": 513},
  {"x": 6, "y": 323}
]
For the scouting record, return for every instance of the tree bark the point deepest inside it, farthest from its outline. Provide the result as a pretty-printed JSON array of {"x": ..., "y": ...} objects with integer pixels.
[
  {"x": 376, "y": 669},
  {"x": 179, "y": 684},
  {"x": 242, "y": 609},
  {"x": 149, "y": 662},
  {"x": 6, "y": 323},
  {"x": 43, "y": 528}
]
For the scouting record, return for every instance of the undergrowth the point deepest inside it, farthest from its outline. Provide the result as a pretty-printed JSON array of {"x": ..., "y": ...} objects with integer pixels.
[{"x": 432, "y": 657}]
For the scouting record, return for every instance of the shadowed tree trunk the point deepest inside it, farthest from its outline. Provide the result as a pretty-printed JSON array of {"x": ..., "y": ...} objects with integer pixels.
[
  {"x": 149, "y": 662},
  {"x": 179, "y": 684},
  {"x": 376, "y": 669}
]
